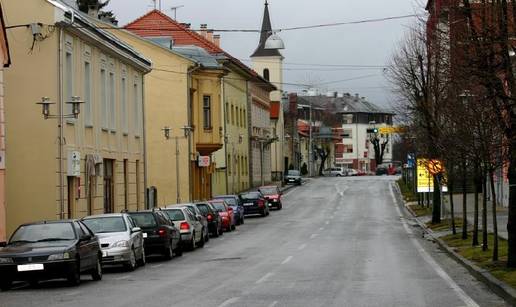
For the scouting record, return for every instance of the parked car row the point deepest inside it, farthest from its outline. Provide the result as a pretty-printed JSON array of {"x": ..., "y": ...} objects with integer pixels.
[{"x": 65, "y": 249}]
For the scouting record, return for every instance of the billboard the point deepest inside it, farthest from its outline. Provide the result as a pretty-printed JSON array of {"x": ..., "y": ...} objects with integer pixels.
[{"x": 425, "y": 180}]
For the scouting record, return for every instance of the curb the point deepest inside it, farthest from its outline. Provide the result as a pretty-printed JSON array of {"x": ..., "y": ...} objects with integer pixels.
[{"x": 497, "y": 286}]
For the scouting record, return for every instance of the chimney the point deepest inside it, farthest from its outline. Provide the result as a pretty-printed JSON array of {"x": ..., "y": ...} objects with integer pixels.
[
  {"x": 204, "y": 30},
  {"x": 209, "y": 35},
  {"x": 186, "y": 25},
  {"x": 216, "y": 39}
]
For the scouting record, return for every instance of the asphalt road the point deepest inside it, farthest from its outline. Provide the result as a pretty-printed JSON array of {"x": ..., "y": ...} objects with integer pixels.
[{"x": 337, "y": 242}]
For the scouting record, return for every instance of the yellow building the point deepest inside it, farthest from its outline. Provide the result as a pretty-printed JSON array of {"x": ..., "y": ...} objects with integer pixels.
[
  {"x": 66, "y": 167},
  {"x": 200, "y": 114},
  {"x": 181, "y": 78}
]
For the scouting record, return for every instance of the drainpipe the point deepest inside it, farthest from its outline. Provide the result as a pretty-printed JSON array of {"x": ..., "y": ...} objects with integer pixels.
[
  {"x": 189, "y": 111},
  {"x": 61, "y": 123},
  {"x": 145, "y": 167},
  {"x": 223, "y": 94},
  {"x": 249, "y": 121}
]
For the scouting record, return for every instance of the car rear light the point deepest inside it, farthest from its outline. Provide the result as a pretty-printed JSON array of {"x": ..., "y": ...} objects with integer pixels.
[
  {"x": 223, "y": 213},
  {"x": 209, "y": 217},
  {"x": 261, "y": 203},
  {"x": 162, "y": 232},
  {"x": 184, "y": 226}
]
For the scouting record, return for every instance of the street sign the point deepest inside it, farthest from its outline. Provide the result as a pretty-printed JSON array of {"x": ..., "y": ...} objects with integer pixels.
[
  {"x": 425, "y": 179},
  {"x": 204, "y": 161},
  {"x": 411, "y": 160},
  {"x": 392, "y": 130},
  {"x": 74, "y": 163}
]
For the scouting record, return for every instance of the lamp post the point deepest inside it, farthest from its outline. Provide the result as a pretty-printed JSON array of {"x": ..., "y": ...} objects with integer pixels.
[
  {"x": 166, "y": 131},
  {"x": 45, "y": 110},
  {"x": 310, "y": 150}
]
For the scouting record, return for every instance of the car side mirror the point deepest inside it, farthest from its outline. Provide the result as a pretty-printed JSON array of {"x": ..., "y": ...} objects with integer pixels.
[
  {"x": 85, "y": 238},
  {"x": 3, "y": 244},
  {"x": 136, "y": 229}
]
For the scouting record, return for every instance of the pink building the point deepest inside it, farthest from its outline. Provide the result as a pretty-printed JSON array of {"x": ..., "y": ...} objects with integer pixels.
[{"x": 5, "y": 61}]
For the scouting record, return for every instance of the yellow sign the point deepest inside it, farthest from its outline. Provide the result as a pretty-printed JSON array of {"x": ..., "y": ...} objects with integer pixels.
[
  {"x": 392, "y": 130},
  {"x": 425, "y": 179}
]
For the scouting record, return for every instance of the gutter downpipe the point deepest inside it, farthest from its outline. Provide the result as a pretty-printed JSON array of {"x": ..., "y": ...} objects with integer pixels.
[
  {"x": 60, "y": 123},
  {"x": 189, "y": 111},
  {"x": 223, "y": 85},
  {"x": 145, "y": 166}
]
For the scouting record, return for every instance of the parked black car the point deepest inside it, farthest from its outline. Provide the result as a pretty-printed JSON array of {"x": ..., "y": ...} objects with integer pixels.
[
  {"x": 238, "y": 208},
  {"x": 254, "y": 203},
  {"x": 293, "y": 176},
  {"x": 160, "y": 236},
  {"x": 213, "y": 218},
  {"x": 50, "y": 250}
]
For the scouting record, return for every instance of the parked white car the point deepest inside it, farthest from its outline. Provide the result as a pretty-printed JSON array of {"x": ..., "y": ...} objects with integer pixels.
[{"x": 335, "y": 172}]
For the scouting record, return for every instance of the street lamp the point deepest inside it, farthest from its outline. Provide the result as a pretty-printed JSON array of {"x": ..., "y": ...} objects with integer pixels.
[
  {"x": 45, "y": 111},
  {"x": 274, "y": 42},
  {"x": 167, "y": 133}
]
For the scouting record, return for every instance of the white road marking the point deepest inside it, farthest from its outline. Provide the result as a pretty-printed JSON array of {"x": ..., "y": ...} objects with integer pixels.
[
  {"x": 424, "y": 254},
  {"x": 313, "y": 236},
  {"x": 327, "y": 222},
  {"x": 229, "y": 301},
  {"x": 301, "y": 247},
  {"x": 287, "y": 260},
  {"x": 73, "y": 293},
  {"x": 321, "y": 229},
  {"x": 156, "y": 265},
  {"x": 123, "y": 277},
  {"x": 273, "y": 304},
  {"x": 264, "y": 278}
]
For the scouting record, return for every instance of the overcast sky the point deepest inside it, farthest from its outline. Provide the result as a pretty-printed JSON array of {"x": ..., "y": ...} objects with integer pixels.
[{"x": 362, "y": 44}]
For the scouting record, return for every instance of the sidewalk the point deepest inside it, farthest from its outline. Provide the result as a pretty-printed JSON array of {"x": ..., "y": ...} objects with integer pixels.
[{"x": 501, "y": 217}]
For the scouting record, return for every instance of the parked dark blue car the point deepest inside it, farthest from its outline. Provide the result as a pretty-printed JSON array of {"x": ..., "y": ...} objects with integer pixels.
[{"x": 236, "y": 203}]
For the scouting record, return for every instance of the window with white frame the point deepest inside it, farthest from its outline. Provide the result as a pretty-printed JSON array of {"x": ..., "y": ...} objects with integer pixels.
[
  {"x": 123, "y": 105},
  {"x": 68, "y": 74},
  {"x": 137, "y": 108},
  {"x": 87, "y": 95},
  {"x": 104, "y": 108},
  {"x": 112, "y": 102},
  {"x": 207, "y": 112}
]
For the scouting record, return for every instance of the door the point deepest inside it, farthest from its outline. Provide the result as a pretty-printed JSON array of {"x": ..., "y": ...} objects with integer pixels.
[
  {"x": 71, "y": 195},
  {"x": 108, "y": 186}
]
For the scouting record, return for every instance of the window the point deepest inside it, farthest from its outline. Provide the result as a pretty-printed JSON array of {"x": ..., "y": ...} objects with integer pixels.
[
  {"x": 348, "y": 148},
  {"x": 69, "y": 81},
  {"x": 207, "y": 112},
  {"x": 103, "y": 99},
  {"x": 347, "y": 134},
  {"x": 245, "y": 120},
  {"x": 87, "y": 95},
  {"x": 112, "y": 103},
  {"x": 232, "y": 115},
  {"x": 266, "y": 74},
  {"x": 237, "y": 114},
  {"x": 138, "y": 185},
  {"x": 229, "y": 164},
  {"x": 136, "y": 108},
  {"x": 123, "y": 105},
  {"x": 226, "y": 113}
]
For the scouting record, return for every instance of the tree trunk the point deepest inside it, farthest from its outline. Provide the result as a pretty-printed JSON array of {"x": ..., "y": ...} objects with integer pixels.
[
  {"x": 436, "y": 203},
  {"x": 452, "y": 209},
  {"x": 475, "y": 212},
  {"x": 511, "y": 222},
  {"x": 485, "y": 244},
  {"x": 495, "y": 222},
  {"x": 464, "y": 203}
]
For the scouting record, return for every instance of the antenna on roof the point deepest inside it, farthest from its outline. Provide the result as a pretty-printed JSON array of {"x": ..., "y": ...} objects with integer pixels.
[{"x": 175, "y": 8}]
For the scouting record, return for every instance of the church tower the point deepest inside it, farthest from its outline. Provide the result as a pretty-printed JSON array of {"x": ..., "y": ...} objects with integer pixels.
[{"x": 269, "y": 64}]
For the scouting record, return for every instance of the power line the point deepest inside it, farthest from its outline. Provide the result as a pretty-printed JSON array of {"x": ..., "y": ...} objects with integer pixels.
[{"x": 323, "y": 65}]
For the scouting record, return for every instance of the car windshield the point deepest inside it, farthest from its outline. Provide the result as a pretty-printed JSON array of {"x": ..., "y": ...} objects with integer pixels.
[
  {"x": 106, "y": 224},
  {"x": 250, "y": 195},
  {"x": 203, "y": 208},
  {"x": 229, "y": 200},
  {"x": 175, "y": 215},
  {"x": 144, "y": 219},
  {"x": 293, "y": 173},
  {"x": 219, "y": 207},
  {"x": 44, "y": 232},
  {"x": 269, "y": 190}
]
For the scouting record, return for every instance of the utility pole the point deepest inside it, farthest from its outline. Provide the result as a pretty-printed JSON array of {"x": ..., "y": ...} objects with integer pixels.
[{"x": 310, "y": 155}]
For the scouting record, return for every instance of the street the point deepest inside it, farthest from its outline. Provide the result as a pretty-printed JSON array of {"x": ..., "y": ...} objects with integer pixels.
[{"x": 337, "y": 242}]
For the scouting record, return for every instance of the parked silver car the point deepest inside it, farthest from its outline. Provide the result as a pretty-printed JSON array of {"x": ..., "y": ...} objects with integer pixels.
[
  {"x": 335, "y": 172},
  {"x": 120, "y": 239},
  {"x": 200, "y": 217},
  {"x": 190, "y": 227}
]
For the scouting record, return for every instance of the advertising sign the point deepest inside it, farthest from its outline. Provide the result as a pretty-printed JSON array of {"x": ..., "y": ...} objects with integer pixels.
[
  {"x": 204, "y": 161},
  {"x": 74, "y": 164},
  {"x": 425, "y": 180}
]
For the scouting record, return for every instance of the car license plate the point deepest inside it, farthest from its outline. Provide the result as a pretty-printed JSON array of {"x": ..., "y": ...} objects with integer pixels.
[
  {"x": 30, "y": 267},
  {"x": 144, "y": 235},
  {"x": 248, "y": 204}
]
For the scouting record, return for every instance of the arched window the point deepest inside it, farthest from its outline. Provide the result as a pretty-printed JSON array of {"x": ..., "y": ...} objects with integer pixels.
[{"x": 266, "y": 74}]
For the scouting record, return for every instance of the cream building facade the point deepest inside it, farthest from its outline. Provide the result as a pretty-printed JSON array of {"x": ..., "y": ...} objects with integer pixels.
[
  {"x": 5, "y": 62},
  {"x": 70, "y": 168}
]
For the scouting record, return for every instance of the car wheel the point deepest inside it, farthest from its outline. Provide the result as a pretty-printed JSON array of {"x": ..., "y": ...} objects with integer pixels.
[
  {"x": 169, "y": 253},
  {"x": 96, "y": 273},
  {"x": 280, "y": 206},
  {"x": 179, "y": 250},
  {"x": 233, "y": 227},
  {"x": 202, "y": 241},
  {"x": 143, "y": 260},
  {"x": 5, "y": 285},
  {"x": 221, "y": 230},
  {"x": 74, "y": 278},
  {"x": 215, "y": 234},
  {"x": 131, "y": 264}
]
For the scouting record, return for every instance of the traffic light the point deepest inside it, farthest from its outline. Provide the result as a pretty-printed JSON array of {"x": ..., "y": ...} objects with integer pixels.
[{"x": 372, "y": 130}]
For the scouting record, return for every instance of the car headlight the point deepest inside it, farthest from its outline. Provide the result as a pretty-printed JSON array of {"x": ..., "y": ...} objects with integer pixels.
[
  {"x": 6, "y": 260},
  {"x": 121, "y": 244},
  {"x": 59, "y": 256}
]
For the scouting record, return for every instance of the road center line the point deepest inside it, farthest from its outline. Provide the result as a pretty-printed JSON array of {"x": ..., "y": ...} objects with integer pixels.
[
  {"x": 273, "y": 304},
  {"x": 424, "y": 254},
  {"x": 287, "y": 260},
  {"x": 301, "y": 247},
  {"x": 264, "y": 278},
  {"x": 156, "y": 265},
  {"x": 321, "y": 229},
  {"x": 229, "y": 301},
  {"x": 123, "y": 277}
]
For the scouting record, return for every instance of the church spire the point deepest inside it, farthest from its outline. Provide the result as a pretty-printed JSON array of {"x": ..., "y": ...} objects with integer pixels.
[{"x": 266, "y": 32}]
